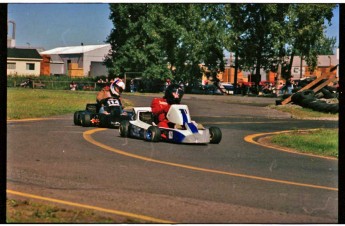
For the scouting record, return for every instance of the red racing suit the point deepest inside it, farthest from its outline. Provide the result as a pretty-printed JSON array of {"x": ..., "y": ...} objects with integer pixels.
[{"x": 160, "y": 108}]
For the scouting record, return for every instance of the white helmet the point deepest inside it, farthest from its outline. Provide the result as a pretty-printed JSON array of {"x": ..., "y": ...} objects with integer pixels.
[{"x": 117, "y": 87}]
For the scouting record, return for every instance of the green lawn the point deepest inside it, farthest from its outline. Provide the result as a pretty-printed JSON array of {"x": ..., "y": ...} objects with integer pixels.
[
  {"x": 322, "y": 142},
  {"x": 32, "y": 103}
]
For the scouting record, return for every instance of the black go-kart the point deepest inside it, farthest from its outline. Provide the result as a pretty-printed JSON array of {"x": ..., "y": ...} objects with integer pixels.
[{"x": 92, "y": 117}]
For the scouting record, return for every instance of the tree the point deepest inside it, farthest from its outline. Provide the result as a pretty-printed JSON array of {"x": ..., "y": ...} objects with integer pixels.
[
  {"x": 326, "y": 45},
  {"x": 133, "y": 42},
  {"x": 172, "y": 40},
  {"x": 253, "y": 32},
  {"x": 163, "y": 40},
  {"x": 305, "y": 23}
]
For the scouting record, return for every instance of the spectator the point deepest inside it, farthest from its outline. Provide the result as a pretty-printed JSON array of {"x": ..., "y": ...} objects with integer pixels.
[
  {"x": 167, "y": 83},
  {"x": 288, "y": 86},
  {"x": 73, "y": 86},
  {"x": 132, "y": 86}
]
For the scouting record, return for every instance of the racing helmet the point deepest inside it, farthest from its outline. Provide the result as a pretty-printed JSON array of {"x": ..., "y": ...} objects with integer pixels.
[
  {"x": 117, "y": 87},
  {"x": 173, "y": 94}
]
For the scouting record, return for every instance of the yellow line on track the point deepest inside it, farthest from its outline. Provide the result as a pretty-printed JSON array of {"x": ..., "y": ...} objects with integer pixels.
[
  {"x": 251, "y": 139},
  {"x": 88, "y": 137},
  {"x": 121, "y": 213}
]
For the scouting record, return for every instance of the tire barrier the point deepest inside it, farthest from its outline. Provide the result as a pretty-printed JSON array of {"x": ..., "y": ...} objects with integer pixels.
[{"x": 307, "y": 99}]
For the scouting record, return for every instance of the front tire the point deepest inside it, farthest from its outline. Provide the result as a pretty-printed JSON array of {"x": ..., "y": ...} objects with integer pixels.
[
  {"x": 215, "y": 135},
  {"x": 124, "y": 128},
  {"x": 153, "y": 134}
]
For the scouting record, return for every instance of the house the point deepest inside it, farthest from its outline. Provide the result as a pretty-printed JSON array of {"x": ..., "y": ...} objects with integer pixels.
[
  {"x": 324, "y": 63},
  {"x": 23, "y": 62},
  {"x": 78, "y": 61}
]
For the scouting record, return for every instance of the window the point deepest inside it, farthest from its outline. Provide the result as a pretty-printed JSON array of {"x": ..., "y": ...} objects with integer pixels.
[
  {"x": 30, "y": 66},
  {"x": 11, "y": 65},
  {"x": 296, "y": 70}
]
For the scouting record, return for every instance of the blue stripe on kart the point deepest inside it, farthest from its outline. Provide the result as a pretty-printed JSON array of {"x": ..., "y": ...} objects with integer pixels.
[
  {"x": 184, "y": 116},
  {"x": 178, "y": 137},
  {"x": 192, "y": 127}
]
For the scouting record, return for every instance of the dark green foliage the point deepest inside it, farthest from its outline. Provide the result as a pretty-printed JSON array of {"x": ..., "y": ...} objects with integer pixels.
[
  {"x": 169, "y": 40},
  {"x": 164, "y": 40}
]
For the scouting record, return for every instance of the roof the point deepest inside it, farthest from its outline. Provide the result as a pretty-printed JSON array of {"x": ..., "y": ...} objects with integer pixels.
[
  {"x": 74, "y": 49},
  {"x": 322, "y": 61},
  {"x": 23, "y": 53}
]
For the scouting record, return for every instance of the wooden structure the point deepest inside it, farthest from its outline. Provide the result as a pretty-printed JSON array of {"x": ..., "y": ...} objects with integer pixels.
[
  {"x": 329, "y": 78},
  {"x": 45, "y": 65},
  {"x": 74, "y": 70}
]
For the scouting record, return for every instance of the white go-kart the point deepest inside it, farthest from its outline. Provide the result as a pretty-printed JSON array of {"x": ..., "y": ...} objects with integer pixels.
[{"x": 183, "y": 130}]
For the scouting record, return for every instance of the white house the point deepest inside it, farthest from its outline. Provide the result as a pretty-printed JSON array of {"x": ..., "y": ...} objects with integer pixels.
[
  {"x": 81, "y": 57},
  {"x": 23, "y": 62}
]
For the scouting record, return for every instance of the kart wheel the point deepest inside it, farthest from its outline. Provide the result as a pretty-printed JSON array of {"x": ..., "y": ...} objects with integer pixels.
[
  {"x": 153, "y": 134},
  {"x": 124, "y": 128},
  {"x": 86, "y": 119},
  {"x": 215, "y": 135},
  {"x": 77, "y": 120}
]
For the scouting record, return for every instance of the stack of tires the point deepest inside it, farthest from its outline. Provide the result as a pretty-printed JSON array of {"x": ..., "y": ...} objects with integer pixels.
[{"x": 307, "y": 99}]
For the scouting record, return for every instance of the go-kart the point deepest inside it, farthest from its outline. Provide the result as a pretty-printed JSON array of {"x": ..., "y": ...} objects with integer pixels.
[
  {"x": 143, "y": 126},
  {"x": 92, "y": 117}
]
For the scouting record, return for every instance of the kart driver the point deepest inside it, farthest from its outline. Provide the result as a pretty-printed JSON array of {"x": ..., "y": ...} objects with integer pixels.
[
  {"x": 113, "y": 91},
  {"x": 160, "y": 106}
]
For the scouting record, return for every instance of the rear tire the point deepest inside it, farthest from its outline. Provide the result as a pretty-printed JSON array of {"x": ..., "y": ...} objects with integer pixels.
[
  {"x": 124, "y": 128},
  {"x": 86, "y": 119},
  {"x": 153, "y": 134},
  {"x": 76, "y": 118},
  {"x": 215, "y": 135}
]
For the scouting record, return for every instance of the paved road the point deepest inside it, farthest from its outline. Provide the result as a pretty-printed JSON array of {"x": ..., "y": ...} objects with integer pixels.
[{"x": 233, "y": 182}]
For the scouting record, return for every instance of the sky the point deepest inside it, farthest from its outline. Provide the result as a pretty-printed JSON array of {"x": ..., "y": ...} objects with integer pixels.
[
  {"x": 59, "y": 25},
  {"x": 51, "y": 25}
]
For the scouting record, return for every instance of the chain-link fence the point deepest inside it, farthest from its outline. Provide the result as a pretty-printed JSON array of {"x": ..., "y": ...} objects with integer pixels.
[{"x": 54, "y": 84}]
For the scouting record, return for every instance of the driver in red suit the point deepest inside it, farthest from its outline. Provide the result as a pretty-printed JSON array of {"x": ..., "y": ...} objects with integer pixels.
[{"x": 160, "y": 106}]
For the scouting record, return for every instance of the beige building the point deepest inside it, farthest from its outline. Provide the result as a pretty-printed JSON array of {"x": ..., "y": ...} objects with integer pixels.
[{"x": 23, "y": 62}]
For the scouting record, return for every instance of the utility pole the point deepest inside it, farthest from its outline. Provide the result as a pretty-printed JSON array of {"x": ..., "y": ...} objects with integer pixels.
[
  {"x": 301, "y": 68},
  {"x": 236, "y": 69}
]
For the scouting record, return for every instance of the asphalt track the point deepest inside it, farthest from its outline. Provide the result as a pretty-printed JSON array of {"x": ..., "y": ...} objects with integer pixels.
[{"x": 236, "y": 181}]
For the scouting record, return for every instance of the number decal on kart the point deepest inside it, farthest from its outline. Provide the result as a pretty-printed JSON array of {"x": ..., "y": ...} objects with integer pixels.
[
  {"x": 113, "y": 102},
  {"x": 171, "y": 135}
]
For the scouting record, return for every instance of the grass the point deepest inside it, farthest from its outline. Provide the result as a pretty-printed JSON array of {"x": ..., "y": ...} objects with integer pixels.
[
  {"x": 33, "y": 103},
  {"x": 23, "y": 211},
  {"x": 312, "y": 141}
]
